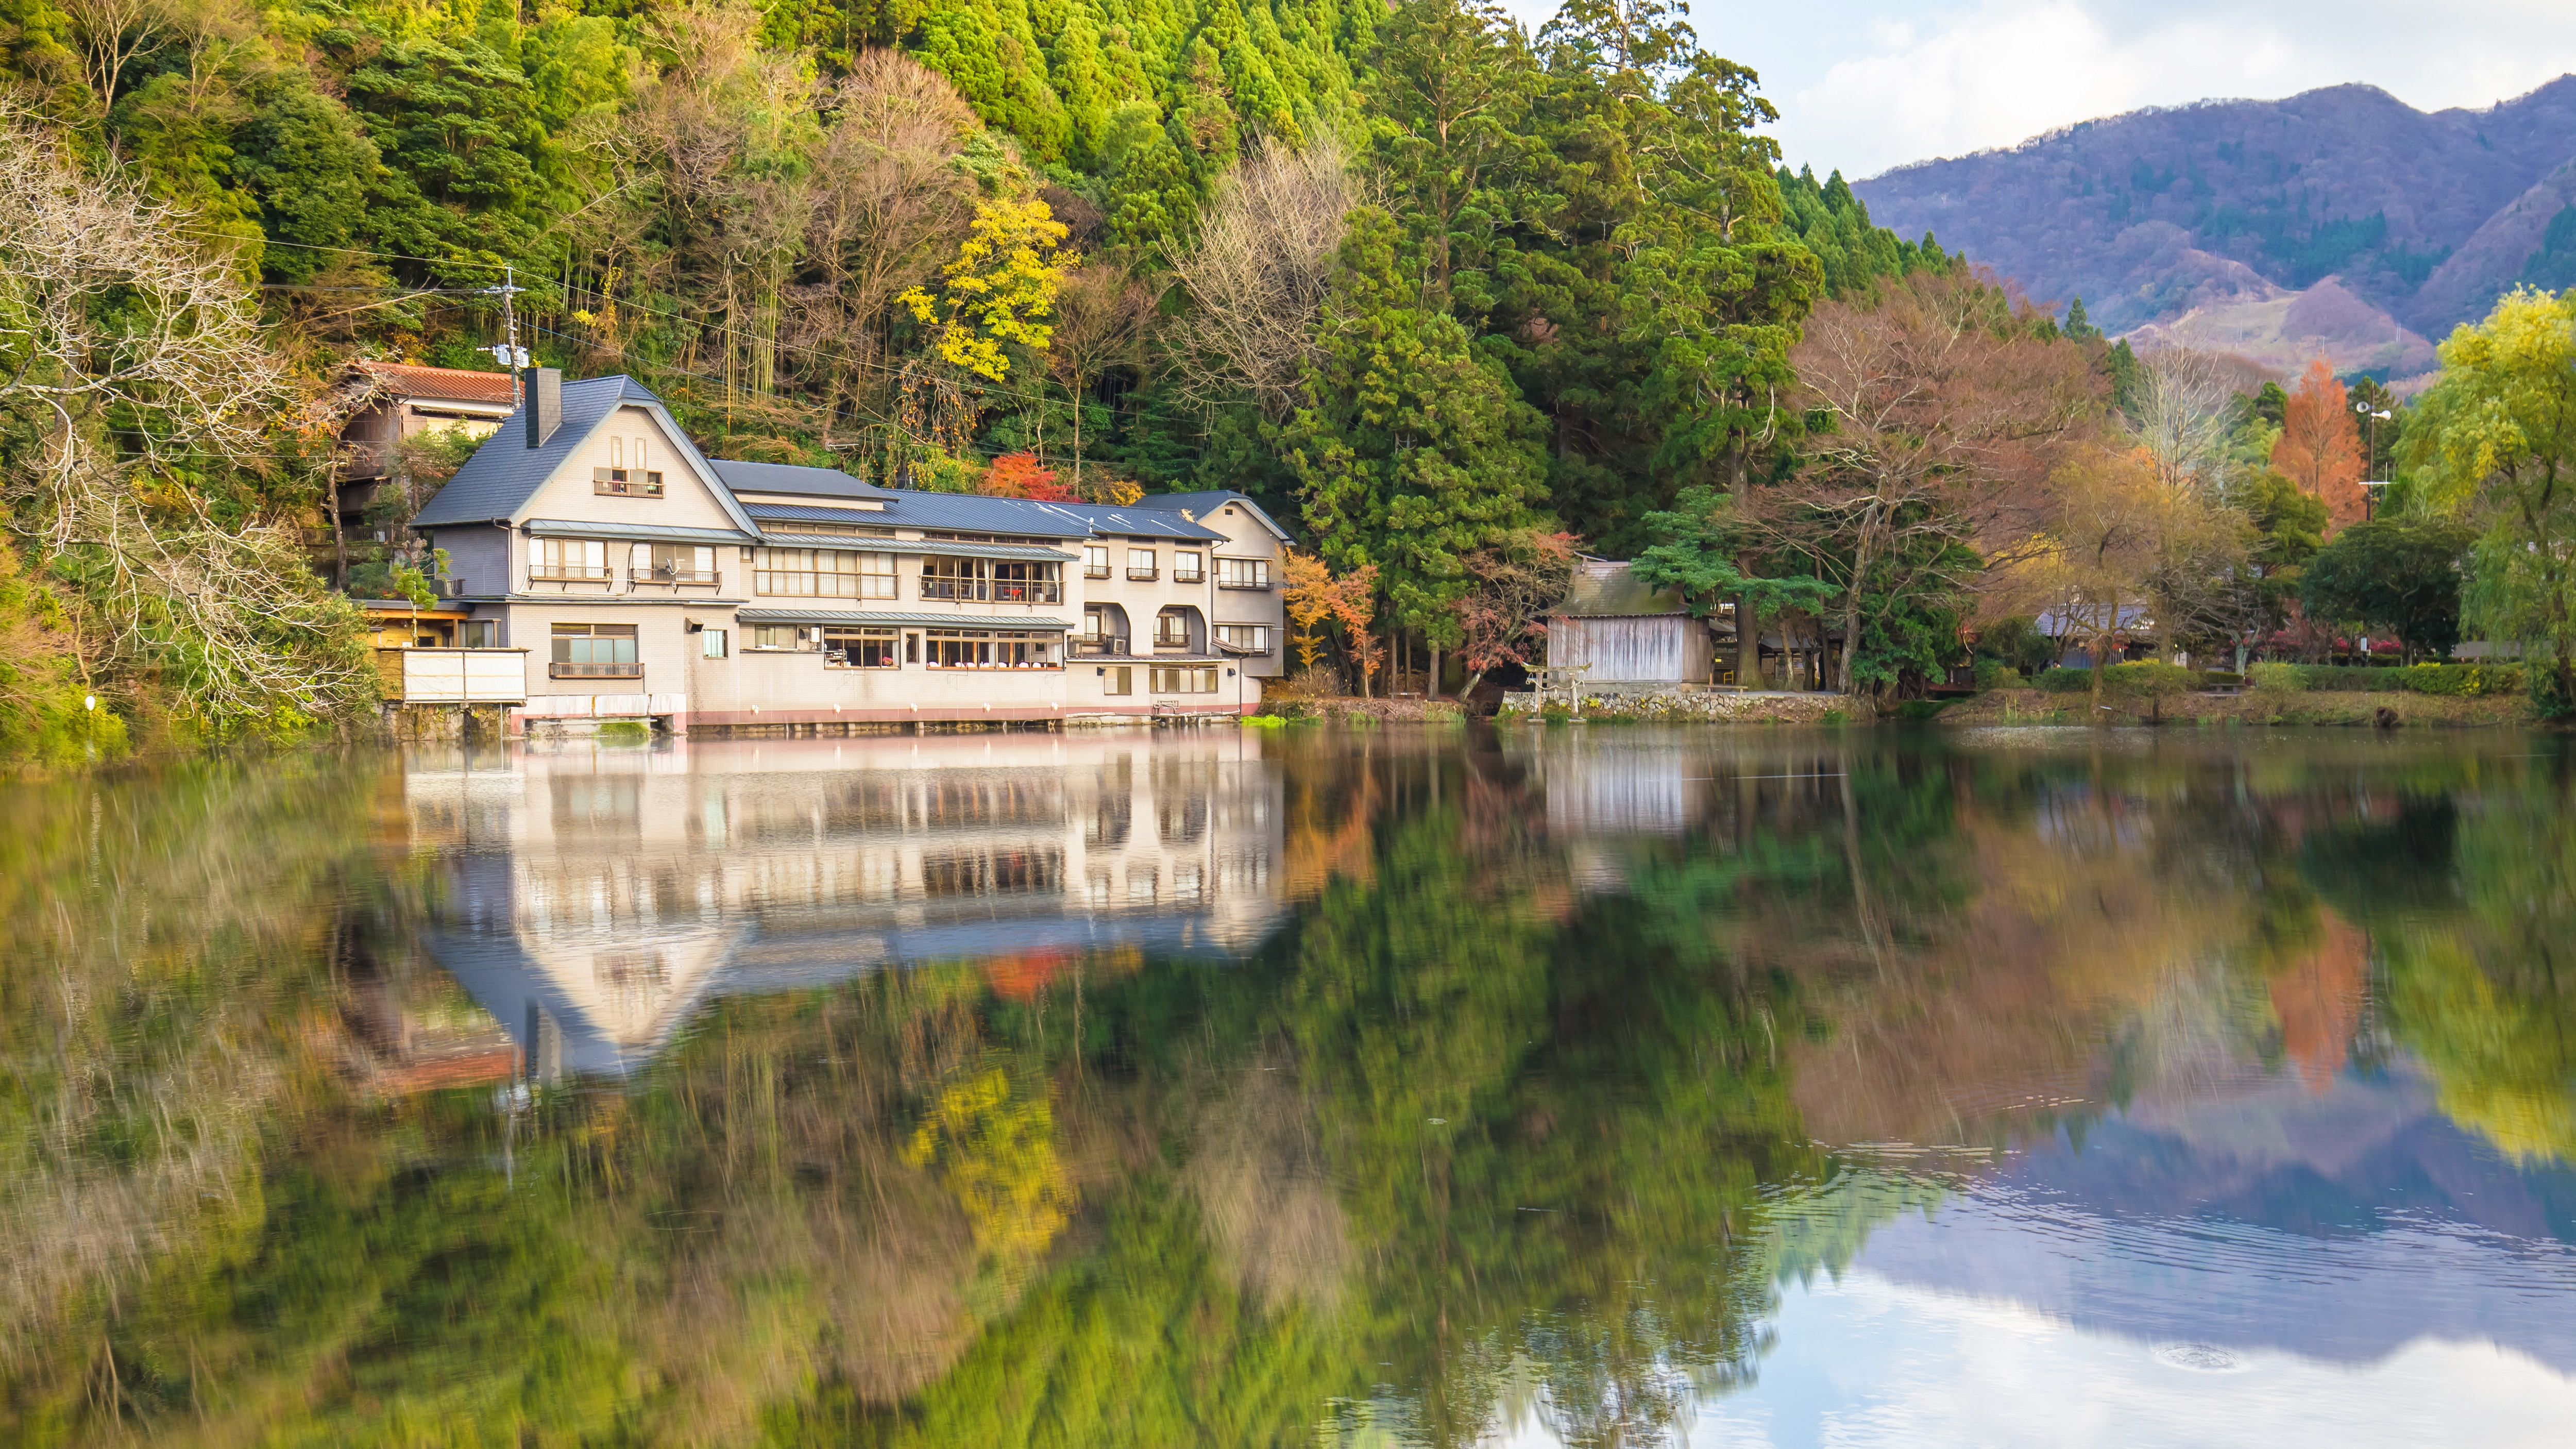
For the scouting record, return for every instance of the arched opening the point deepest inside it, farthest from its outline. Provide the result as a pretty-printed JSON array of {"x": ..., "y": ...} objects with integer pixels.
[
  {"x": 1178, "y": 628},
  {"x": 1104, "y": 631}
]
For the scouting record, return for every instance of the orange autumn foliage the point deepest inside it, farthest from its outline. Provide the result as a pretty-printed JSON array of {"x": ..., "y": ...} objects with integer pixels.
[
  {"x": 2318, "y": 1001},
  {"x": 1017, "y": 475},
  {"x": 2320, "y": 447}
]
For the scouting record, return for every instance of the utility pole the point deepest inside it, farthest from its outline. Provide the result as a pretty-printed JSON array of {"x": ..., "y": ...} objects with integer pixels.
[{"x": 514, "y": 360}]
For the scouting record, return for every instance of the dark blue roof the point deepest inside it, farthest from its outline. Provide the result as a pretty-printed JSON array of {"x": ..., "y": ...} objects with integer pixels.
[
  {"x": 502, "y": 478},
  {"x": 1134, "y": 522},
  {"x": 1201, "y": 504},
  {"x": 790, "y": 478},
  {"x": 974, "y": 513}
]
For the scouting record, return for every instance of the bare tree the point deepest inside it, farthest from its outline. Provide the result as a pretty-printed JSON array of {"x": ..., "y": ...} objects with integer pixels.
[
  {"x": 128, "y": 356},
  {"x": 1256, "y": 278},
  {"x": 112, "y": 33},
  {"x": 1946, "y": 416},
  {"x": 1101, "y": 316},
  {"x": 2187, "y": 403}
]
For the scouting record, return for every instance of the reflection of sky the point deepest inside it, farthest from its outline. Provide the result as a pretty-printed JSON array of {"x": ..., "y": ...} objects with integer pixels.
[{"x": 1872, "y": 1361}]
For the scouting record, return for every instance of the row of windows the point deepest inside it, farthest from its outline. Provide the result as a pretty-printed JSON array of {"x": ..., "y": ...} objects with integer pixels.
[
  {"x": 609, "y": 650},
  {"x": 826, "y": 573}
]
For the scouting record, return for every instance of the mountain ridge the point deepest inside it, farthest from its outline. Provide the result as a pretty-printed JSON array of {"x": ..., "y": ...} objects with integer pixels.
[{"x": 2155, "y": 215}]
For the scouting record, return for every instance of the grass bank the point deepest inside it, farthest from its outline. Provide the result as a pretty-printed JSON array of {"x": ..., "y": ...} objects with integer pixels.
[{"x": 2389, "y": 709}]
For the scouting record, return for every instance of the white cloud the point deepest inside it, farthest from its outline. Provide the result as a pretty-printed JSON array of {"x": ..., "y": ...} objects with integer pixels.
[{"x": 1864, "y": 85}]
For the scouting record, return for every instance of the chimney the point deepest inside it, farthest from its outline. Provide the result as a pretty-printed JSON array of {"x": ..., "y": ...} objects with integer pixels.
[{"x": 545, "y": 404}]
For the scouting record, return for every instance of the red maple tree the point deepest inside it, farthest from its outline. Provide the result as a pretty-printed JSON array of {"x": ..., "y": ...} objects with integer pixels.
[
  {"x": 1017, "y": 475},
  {"x": 2320, "y": 448}
]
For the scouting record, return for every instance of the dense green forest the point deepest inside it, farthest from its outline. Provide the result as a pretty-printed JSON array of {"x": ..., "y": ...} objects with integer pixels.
[{"x": 1416, "y": 277}]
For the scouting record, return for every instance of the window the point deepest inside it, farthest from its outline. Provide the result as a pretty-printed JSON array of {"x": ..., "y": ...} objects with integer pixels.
[
  {"x": 713, "y": 644},
  {"x": 1140, "y": 563},
  {"x": 1121, "y": 679},
  {"x": 573, "y": 560},
  {"x": 988, "y": 649},
  {"x": 1095, "y": 560},
  {"x": 1243, "y": 573},
  {"x": 1185, "y": 681},
  {"x": 673, "y": 563},
  {"x": 784, "y": 636},
  {"x": 859, "y": 649},
  {"x": 1185, "y": 566},
  {"x": 952, "y": 578},
  {"x": 1026, "y": 583},
  {"x": 1255, "y": 637},
  {"x": 595, "y": 651},
  {"x": 822, "y": 573},
  {"x": 1172, "y": 629},
  {"x": 479, "y": 634}
]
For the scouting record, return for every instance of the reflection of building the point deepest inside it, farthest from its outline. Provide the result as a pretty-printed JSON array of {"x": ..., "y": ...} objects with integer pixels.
[{"x": 599, "y": 895}]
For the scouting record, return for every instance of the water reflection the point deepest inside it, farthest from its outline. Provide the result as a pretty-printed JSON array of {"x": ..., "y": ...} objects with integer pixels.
[{"x": 1366, "y": 1088}]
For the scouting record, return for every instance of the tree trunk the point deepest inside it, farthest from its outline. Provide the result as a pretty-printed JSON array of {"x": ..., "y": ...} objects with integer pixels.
[
  {"x": 1431, "y": 686},
  {"x": 1748, "y": 642},
  {"x": 339, "y": 537},
  {"x": 2101, "y": 667}
]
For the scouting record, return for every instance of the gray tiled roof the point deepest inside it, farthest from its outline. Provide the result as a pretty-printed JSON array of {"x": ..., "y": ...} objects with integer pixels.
[
  {"x": 1135, "y": 522},
  {"x": 640, "y": 532},
  {"x": 503, "y": 476},
  {"x": 974, "y": 513},
  {"x": 1203, "y": 503},
  {"x": 789, "y": 478},
  {"x": 819, "y": 513},
  {"x": 895, "y": 620}
]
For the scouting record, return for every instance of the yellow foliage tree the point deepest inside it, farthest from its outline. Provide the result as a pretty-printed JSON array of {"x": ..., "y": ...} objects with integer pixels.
[
  {"x": 998, "y": 1155},
  {"x": 1000, "y": 289}
]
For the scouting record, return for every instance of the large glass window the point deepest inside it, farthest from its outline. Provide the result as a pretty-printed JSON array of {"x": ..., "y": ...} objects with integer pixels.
[
  {"x": 860, "y": 649},
  {"x": 785, "y": 636},
  {"x": 595, "y": 651},
  {"x": 1168, "y": 680},
  {"x": 953, "y": 578},
  {"x": 1140, "y": 563},
  {"x": 1243, "y": 573},
  {"x": 1095, "y": 560},
  {"x": 1121, "y": 679},
  {"x": 1172, "y": 629},
  {"x": 989, "y": 649},
  {"x": 822, "y": 573},
  {"x": 1026, "y": 583},
  {"x": 570, "y": 560},
  {"x": 1255, "y": 637},
  {"x": 1185, "y": 566}
]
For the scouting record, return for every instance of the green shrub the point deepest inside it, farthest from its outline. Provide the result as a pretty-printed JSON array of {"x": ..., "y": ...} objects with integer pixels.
[
  {"x": 1996, "y": 674},
  {"x": 2147, "y": 677},
  {"x": 2547, "y": 699},
  {"x": 2278, "y": 678},
  {"x": 2062, "y": 680},
  {"x": 624, "y": 732},
  {"x": 2452, "y": 679},
  {"x": 1915, "y": 709},
  {"x": 2220, "y": 679}
]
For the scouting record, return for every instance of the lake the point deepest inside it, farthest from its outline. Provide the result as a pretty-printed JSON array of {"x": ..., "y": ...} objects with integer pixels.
[{"x": 1334, "y": 1087}]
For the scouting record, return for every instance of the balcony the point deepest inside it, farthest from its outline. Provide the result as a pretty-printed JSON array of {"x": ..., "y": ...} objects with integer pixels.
[
  {"x": 1142, "y": 576},
  {"x": 1188, "y": 576},
  {"x": 1095, "y": 571},
  {"x": 572, "y": 574},
  {"x": 1027, "y": 591},
  {"x": 1098, "y": 646},
  {"x": 953, "y": 589},
  {"x": 1254, "y": 584},
  {"x": 663, "y": 575},
  {"x": 561, "y": 670}
]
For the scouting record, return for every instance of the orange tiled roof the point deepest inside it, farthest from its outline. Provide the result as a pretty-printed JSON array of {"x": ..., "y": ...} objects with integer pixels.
[{"x": 452, "y": 384}]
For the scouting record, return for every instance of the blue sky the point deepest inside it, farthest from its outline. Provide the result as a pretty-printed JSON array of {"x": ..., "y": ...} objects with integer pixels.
[{"x": 1868, "y": 84}]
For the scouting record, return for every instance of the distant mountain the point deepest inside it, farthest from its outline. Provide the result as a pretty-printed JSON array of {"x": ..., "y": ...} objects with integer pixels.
[{"x": 2341, "y": 222}]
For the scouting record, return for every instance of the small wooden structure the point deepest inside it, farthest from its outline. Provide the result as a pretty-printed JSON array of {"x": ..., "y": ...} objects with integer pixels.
[{"x": 1615, "y": 630}]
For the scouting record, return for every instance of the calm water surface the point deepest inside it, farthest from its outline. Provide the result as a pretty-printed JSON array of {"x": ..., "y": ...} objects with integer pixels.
[{"x": 1588, "y": 1087}]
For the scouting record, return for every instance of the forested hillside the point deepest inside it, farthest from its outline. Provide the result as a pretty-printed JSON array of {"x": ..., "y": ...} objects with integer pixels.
[{"x": 1422, "y": 280}]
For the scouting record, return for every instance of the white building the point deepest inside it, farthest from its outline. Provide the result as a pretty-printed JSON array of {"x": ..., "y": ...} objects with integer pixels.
[{"x": 641, "y": 580}]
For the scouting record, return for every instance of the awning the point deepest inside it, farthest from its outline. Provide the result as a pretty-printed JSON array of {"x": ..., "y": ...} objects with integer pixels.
[
  {"x": 870, "y": 619},
  {"x": 942, "y": 548},
  {"x": 633, "y": 532}
]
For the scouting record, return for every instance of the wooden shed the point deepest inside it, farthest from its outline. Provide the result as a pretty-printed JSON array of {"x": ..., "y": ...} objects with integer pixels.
[{"x": 1621, "y": 632}]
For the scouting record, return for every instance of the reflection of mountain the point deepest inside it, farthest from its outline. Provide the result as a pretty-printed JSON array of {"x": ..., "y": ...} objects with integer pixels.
[
  {"x": 2340, "y": 1226},
  {"x": 598, "y": 896}
]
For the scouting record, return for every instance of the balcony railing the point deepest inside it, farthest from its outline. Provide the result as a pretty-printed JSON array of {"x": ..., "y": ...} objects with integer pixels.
[
  {"x": 1171, "y": 641},
  {"x": 572, "y": 574},
  {"x": 968, "y": 589},
  {"x": 1095, "y": 571},
  {"x": 1224, "y": 582},
  {"x": 1188, "y": 576},
  {"x": 561, "y": 670},
  {"x": 1142, "y": 576},
  {"x": 1027, "y": 591},
  {"x": 662, "y": 575},
  {"x": 1099, "y": 646}
]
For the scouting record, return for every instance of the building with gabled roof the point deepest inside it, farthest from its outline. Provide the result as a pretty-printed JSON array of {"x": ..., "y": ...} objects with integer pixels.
[{"x": 648, "y": 581}]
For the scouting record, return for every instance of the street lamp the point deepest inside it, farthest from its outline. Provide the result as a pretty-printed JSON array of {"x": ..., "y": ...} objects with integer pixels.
[{"x": 2372, "y": 417}]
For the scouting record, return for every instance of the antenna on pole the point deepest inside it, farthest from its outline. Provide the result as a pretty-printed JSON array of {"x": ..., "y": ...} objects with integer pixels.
[{"x": 513, "y": 357}]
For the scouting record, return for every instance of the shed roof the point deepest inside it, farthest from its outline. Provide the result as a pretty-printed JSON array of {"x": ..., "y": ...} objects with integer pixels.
[
  {"x": 1606, "y": 589},
  {"x": 792, "y": 478},
  {"x": 441, "y": 384}
]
